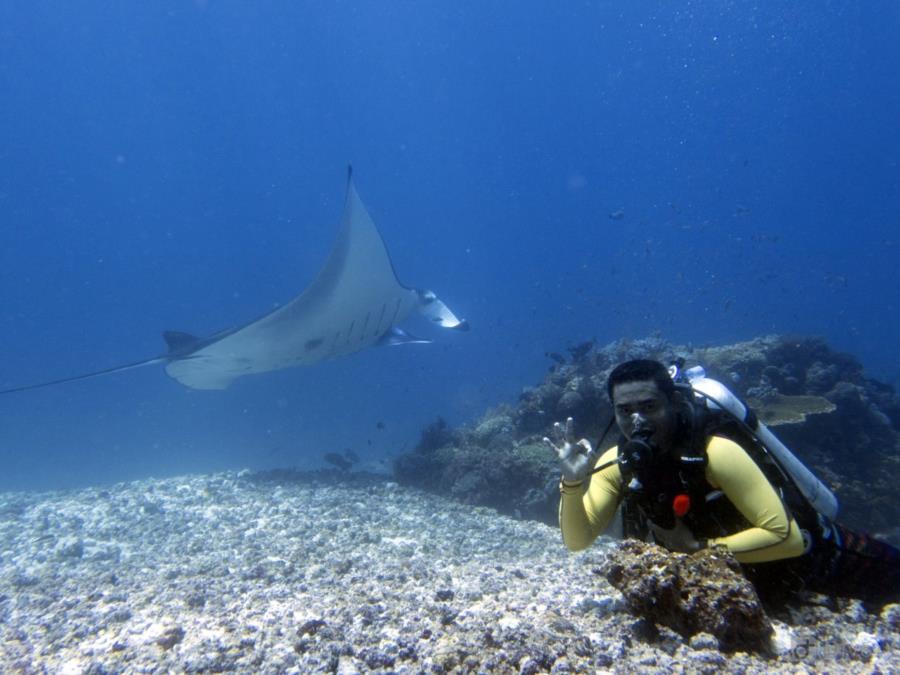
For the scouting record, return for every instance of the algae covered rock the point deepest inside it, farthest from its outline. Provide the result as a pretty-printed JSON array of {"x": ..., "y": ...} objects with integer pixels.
[{"x": 691, "y": 594}]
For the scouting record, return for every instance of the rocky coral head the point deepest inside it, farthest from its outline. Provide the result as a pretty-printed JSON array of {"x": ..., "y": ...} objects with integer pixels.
[
  {"x": 700, "y": 593},
  {"x": 435, "y": 436}
]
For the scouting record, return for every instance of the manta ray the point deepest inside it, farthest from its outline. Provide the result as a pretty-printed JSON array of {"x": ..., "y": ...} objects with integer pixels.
[{"x": 355, "y": 302}]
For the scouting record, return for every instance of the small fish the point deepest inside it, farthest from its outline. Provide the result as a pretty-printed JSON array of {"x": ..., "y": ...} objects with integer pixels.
[
  {"x": 379, "y": 424},
  {"x": 836, "y": 280},
  {"x": 617, "y": 214}
]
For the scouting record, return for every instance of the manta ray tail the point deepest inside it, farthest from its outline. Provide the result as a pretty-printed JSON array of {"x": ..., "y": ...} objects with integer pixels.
[{"x": 86, "y": 376}]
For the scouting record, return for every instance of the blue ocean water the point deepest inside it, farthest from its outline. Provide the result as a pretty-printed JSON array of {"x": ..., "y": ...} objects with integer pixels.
[{"x": 555, "y": 172}]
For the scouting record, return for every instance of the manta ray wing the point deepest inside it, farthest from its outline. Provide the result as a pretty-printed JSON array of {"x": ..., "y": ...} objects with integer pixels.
[{"x": 354, "y": 301}]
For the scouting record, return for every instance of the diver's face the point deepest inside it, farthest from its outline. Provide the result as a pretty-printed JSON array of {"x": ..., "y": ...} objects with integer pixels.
[{"x": 642, "y": 406}]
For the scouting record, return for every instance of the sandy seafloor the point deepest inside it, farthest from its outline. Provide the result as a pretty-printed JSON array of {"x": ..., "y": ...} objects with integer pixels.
[{"x": 244, "y": 573}]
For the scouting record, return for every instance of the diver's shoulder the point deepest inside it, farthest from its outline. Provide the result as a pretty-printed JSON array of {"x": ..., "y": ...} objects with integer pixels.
[
  {"x": 721, "y": 443},
  {"x": 723, "y": 449},
  {"x": 608, "y": 455}
]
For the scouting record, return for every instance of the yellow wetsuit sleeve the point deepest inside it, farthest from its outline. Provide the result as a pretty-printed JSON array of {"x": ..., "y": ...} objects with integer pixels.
[
  {"x": 774, "y": 534},
  {"x": 585, "y": 513}
]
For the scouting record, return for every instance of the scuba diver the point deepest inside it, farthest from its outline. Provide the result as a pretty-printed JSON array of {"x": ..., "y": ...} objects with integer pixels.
[{"x": 694, "y": 468}]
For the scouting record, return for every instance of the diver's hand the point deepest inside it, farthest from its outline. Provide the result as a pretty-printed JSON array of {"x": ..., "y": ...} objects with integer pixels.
[
  {"x": 576, "y": 458},
  {"x": 679, "y": 539}
]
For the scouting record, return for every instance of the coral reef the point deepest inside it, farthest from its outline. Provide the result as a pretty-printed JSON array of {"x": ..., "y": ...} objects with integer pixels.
[{"x": 843, "y": 425}]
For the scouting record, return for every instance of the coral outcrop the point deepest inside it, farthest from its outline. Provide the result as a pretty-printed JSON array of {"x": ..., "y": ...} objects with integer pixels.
[{"x": 691, "y": 594}]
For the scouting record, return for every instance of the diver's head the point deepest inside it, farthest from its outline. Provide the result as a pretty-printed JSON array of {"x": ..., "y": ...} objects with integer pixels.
[{"x": 644, "y": 400}]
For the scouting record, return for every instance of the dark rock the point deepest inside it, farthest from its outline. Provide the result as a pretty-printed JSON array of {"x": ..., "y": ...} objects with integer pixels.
[
  {"x": 443, "y": 594},
  {"x": 447, "y": 615},
  {"x": 603, "y": 660},
  {"x": 406, "y": 650},
  {"x": 376, "y": 659},
  {"x": 341, "y": 567},
  {"x": 120, "y": 615},
  {"x": 71, "y": 549},
  {"x": 311, "y": 627},
  {"x": 170, "y": 637},
  {"x": 368, "y": 615},
  {"x": 705, "y": 592},
  {"x": 23, "y": 580},
  {"x": 257, "y": 572}
]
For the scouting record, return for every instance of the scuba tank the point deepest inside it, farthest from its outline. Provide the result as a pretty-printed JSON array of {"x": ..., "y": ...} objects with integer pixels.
[{"x": 716, "y": 396}]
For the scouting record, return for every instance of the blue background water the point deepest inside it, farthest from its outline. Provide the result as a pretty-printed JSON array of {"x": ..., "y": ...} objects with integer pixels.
[{"x": 180, "y": 165}]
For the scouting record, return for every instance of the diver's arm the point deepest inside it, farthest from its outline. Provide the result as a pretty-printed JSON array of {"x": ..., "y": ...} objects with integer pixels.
[
  {"x": 774, "y": 533},
  {"x": 584, "y": 514}
]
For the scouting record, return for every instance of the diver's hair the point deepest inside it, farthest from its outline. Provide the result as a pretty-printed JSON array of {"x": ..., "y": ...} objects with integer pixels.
[{"x": 641, "y": 370}]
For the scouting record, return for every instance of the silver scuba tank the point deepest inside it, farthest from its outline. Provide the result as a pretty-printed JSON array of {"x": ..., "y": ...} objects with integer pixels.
[{"x": 715, "y": 395}]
